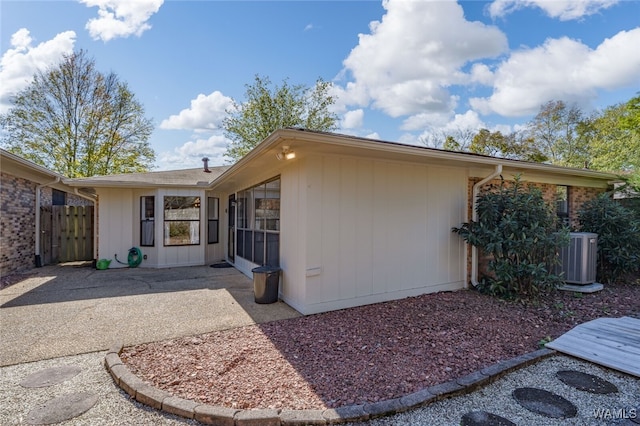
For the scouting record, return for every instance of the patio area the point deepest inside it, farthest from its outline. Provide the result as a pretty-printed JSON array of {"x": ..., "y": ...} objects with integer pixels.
[{"x": 72, "y": 309}]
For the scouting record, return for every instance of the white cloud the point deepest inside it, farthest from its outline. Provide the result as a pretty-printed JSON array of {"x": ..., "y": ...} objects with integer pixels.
[
  {"x": 410, "y": 57},
  {"x": 562, "y": 69},
  {"x": 462, "y": 127},
  {"x": 190, "y": 154},
  {"x": 120, "y": 18},
  {"x": 467, "y": 121},
  {"x": 481, "y": 73},
  {"x": 20, "y": 63},
  {"x": 206, "y": 112},
  {"x": 353, "y": 119},
  {"x": 565, "y": 10}
]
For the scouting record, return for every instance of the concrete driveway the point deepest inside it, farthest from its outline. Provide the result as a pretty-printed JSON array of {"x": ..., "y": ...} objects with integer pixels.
[{"x": 73, "y": 309}]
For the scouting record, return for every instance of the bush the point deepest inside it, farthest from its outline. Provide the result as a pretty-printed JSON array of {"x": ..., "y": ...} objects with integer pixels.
[
  {"x": 618, "y": 231},
  {"x": 520, "y": 231}
]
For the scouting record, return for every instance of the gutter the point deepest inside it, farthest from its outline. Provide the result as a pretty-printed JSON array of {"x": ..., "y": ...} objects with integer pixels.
[
  {"x": 474, "y": 217},
  {"x": 38, "y": 259}
]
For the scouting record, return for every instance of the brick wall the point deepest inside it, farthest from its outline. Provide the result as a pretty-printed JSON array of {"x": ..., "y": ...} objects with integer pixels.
[
  {"x": 578, "y": 195},
  {"x": 71, "y": 198},
  {"x": 17, "y": 224}
]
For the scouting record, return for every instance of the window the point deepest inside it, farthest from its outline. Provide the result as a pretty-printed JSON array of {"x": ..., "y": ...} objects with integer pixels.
[
  {"x": 181, "y": 221},
  {"x": 212, "y": 219},
  {"x": 258, "y": 231},
  {"x": 58, "y": 198},
  {"x": 147, "y": 221},
  {"x": 562, "y": 203}
]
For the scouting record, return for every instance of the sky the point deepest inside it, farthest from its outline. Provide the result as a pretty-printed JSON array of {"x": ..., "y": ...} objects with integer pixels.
[{"x": 402, "y": 70}]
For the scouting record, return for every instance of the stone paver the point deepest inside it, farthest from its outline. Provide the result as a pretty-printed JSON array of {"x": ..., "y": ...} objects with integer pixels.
[
  {"x": 64, "y": 407},
  {"x": 586, "y": 382},
  {"x": 483, "y": 418},
  {"x": 50, "y": 376},
  {"x": 544, "y": 402}
]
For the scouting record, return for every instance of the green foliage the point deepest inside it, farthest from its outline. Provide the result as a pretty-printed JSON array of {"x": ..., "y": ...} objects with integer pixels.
[
  {"x": 615, "y": 142},
  {"x": 556, "y": 130},
  {"x": 618, "y": 232},
  {"x": 542, "y": 342},
  {"x": 79, "y": 122},
  {"x": 520, "y": 232},
  {"x": 515, "y": 145},
  {"x": 268, "y": 109}
]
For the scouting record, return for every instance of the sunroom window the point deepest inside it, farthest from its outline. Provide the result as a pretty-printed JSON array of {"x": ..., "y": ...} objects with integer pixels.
[{"x": 258, "y": 230}]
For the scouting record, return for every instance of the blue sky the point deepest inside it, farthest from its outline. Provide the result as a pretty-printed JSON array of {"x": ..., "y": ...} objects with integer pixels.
[{"x": 403, "y": 70}]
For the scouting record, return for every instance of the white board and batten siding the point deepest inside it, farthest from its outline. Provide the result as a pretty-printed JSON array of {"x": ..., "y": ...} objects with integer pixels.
[
  {"x": 119, "y": 229},
  {"x": 375, "y": 230},
  {"x": 115, "y": 224}
]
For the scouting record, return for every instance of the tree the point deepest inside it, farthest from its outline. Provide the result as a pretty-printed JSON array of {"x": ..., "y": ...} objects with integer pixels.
[
  {"x": 79, "y": 122},
  {"x": 456, "y": 139},
  {"x": 267, "y": 109},
  {"x": 555, "y": 131},
  {"x": 618, "y": 232},
  {"x": 515, "y": 145},
  {"x": 614, "y": 140}
]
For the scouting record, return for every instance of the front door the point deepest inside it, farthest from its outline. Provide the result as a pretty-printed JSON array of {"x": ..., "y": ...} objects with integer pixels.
[{"x": 231, "y": 237}]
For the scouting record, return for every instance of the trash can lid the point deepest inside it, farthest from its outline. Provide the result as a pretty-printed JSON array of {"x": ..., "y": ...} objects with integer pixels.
[{"x": 266, "y": 269}]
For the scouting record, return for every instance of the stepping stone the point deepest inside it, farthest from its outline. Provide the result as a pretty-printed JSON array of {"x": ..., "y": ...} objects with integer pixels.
[
  {"x": 544, "y": 402},
  {"x": 50, "y": 376},
  {"x": 586, "y": 382},
  {"x": 62, "y": 408},
  {"x": 483, "y": 418}
]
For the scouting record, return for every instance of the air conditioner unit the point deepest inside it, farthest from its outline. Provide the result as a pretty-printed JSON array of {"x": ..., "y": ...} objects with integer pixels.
[{"x": 578, "y": 261}]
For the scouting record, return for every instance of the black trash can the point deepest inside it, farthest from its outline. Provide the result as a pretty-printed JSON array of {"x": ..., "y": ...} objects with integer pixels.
[{"x": 265, "y": 283}]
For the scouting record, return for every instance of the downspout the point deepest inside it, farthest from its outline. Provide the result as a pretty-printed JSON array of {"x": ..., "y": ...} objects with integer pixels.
[
  {"x": 474, "y": 217},
  {"x": 38, "y": 259}
]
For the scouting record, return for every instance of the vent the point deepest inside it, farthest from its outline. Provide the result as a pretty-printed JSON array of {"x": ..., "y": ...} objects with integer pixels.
[{"x": 578, "y": 261}]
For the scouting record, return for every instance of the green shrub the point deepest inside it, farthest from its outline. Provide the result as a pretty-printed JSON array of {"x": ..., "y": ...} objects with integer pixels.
[
  {"x": 618, "y": 232},
  {"x": 520, "y": 231}
]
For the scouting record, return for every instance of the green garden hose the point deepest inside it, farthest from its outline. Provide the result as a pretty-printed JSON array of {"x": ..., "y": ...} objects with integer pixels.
[{"x": 134, "y": 259}]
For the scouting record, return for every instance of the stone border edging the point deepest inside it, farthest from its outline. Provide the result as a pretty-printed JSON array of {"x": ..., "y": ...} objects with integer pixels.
[{"x": 223, "y": 416}]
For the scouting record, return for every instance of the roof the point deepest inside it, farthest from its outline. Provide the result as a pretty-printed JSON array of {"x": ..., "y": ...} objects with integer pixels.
[
  {"x": 306, "y": 142},
  {"x": 170, "y": 178},
  {"x": 9, "y": 161}
]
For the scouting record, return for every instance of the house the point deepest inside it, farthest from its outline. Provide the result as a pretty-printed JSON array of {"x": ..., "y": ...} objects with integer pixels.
[
  {"x": 25, "y": 189},
  {"x": 350, "y": 221}
]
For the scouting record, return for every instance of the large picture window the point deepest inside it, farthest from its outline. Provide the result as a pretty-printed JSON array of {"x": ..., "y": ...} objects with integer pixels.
[
  {"x": 147, "y": 221},
  {"x": 258, "y": 224},
  {"x": 181, "y": 221}
]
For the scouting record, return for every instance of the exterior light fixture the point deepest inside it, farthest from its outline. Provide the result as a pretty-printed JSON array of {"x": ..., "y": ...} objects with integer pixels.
[{"x": 286, "y": 154}]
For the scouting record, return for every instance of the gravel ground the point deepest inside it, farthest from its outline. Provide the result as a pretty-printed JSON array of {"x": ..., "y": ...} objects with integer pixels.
[
  {"x": 496, "y": 398},
  {"x": 365, "y": 354},
  {"x": 114, "y": 407}
]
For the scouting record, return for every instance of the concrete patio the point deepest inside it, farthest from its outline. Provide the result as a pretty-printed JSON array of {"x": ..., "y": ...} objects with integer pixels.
[{"x": 73, "y": 309}]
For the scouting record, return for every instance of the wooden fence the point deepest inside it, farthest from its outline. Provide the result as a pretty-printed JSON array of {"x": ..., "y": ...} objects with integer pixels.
[{"x": 67, "y": 233}]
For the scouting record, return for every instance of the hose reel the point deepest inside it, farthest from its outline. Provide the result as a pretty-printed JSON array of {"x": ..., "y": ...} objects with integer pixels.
[{"x": 134, "y": 258}]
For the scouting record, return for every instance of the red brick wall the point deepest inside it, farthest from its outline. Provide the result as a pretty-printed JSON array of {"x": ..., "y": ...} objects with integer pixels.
[
  {"x": 17, "y": 224},
  {"x": 578, "y": 195}
]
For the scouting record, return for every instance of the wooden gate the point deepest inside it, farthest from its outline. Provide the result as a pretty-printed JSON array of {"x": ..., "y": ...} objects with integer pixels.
[{"x": 66, "y": 233}]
